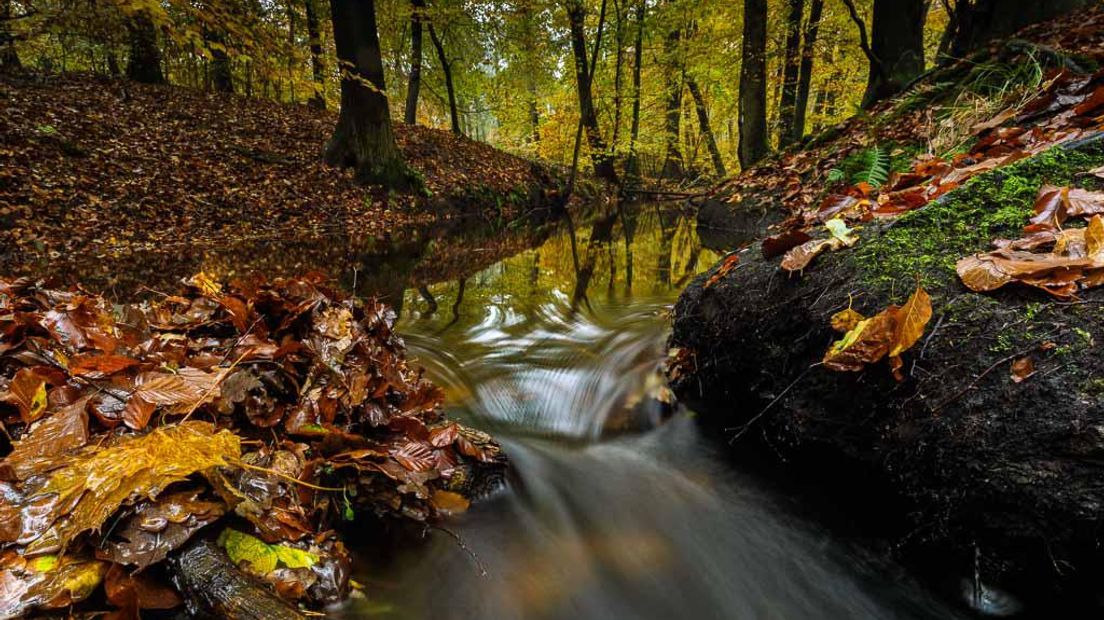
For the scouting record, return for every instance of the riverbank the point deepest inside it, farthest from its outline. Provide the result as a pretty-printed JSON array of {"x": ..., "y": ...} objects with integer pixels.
[
  {"x": 988, "y": 445},
  {"x": 97, "y": 167}
]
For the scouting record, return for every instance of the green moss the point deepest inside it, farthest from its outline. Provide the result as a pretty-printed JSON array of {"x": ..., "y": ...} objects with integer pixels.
[{"x": 927, "y": 243}]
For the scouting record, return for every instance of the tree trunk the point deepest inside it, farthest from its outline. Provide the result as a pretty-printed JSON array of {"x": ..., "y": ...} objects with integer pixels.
[
  {"x": 805, "y": 76},
  {"x": 706, "y": 130},
  {"x": 318, "y": 68},
  {"x": 446, "y": 66},
  {"x": 363, "y": 138},
  {"x": 981, "y": 21},
  {"x": 753, "y": 84},
  {"x": 790, "y": 73},
  {"x": 534, "y": 112},
  {"x": 222, "y": 77},
  {"x": 9, "y": 58},
  {"x": 618, "y": 74},
  {"x": 672, "y": 160},
  {"x": 415, "y": 83},
  {"x": 144, "y": 64},
  {"x": 896, "y": 48},
  {"x": 603, "y": 164},
  {"x": 632, "y": 166}
]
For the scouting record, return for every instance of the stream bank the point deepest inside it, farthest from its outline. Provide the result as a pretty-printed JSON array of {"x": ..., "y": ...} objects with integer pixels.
[{"x": 987, "y": 472}]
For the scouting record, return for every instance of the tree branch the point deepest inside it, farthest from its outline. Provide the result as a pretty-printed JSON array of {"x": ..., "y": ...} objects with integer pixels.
[{"x": 863, "y": 42}]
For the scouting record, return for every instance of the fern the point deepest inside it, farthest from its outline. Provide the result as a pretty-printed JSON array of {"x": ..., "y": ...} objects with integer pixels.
[
  {"x": 873, "y": 167},
  {"x": 835, "y": 175}
]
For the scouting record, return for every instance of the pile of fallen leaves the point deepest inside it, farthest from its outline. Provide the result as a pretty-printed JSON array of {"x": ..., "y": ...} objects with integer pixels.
[
  {"x": 1060, "y": 261},
  {"x": 263, "y": 413},
  {"x": 1070, "y": 107},
  {"x": 99, "y": 166}
]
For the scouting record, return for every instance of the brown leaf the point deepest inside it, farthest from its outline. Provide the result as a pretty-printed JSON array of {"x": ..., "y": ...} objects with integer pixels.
[
  {"x": 798, "y": 258},
  {"x": 845, "y": 320},
  {"x": 866, "y": 343},
  {"x": 64, "y": 430},
  {"x": 142, "y": 590},
  {"x": 779, "y": 244},
  {"x": 449, "y": 503},
  {"x": 912, "y": 319},
  {"x": 157, "y": 528},
  {"x": 99, "y": 366},
  {"x": 730, "y": 263},
  {"x": 1022, "y": 368},
  {"x": 1051, "y": 209},
  {"x": 27, "y": 392}
]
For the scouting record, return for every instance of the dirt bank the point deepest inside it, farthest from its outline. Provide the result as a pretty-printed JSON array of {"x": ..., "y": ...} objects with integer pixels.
[{"x": 1017, "y": 468}]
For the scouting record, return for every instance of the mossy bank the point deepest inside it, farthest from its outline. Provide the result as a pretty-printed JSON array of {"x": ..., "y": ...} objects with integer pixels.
[{"x": 980, "y": 469}]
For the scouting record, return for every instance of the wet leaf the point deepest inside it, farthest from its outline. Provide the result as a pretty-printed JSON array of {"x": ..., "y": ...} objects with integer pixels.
[
  {"x": 158, "y": 527},
  {"x": 99, "y": 366},
  {"x": 98, "y": 480},
  {"x": 27, "y": 392},
  {"x": 869, "y": 341},
  {"x": 261, "y": 557},
  {"x": 66, "y": 429},
  {"x": 449, "y": 503}
]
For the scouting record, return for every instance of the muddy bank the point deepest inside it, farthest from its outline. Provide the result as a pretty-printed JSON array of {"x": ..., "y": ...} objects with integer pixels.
[{"x": 1006, "y": 473}]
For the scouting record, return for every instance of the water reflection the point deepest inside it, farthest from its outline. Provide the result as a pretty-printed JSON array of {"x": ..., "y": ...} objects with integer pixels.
[{"x": 609, "y": 514}]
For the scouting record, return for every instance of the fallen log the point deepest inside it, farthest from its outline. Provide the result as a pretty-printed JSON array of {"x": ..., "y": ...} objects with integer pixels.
[{"x": 213, "y": 587}]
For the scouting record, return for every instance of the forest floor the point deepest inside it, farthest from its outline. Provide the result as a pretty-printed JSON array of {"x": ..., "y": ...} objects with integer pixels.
[
  {"x": 976, "y": 407},
  {"x": 96, "y": 167}
]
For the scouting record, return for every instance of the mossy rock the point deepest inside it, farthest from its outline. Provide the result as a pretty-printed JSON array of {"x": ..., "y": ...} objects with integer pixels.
[{"x": 1015, "y": 468}]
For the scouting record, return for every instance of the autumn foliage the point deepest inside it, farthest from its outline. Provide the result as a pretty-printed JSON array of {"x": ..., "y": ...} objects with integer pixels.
[{"x": 276, "y": 410}]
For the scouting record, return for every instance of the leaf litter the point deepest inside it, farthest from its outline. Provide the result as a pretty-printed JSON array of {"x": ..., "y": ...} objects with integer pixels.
[{"x": 263, "y": 413}]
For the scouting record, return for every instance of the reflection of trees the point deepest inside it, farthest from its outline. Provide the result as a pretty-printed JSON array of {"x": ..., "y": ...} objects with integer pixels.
[{"x": 600, "y": 235}]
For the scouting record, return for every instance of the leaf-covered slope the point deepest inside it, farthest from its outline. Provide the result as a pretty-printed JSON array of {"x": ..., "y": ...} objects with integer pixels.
[{"x": 97, "y": 166}]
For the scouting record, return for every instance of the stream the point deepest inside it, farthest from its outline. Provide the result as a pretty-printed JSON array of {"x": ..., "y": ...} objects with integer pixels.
[{"x": 617, "y": 506}]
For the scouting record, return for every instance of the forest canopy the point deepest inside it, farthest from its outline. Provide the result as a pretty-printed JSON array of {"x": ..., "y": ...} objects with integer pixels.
[{"x": 658, "y": 82}]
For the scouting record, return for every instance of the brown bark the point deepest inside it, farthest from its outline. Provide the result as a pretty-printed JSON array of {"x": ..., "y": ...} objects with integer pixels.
[
  {"x": 790, "y": 73},
  {"x": 363, "y": 138},
  {"x": 414, "y": 84},
  {"x": 896, "y": 46},
  {"x": 753, "y": 84},
  {"x": 318, "y": 67},
  {"x": 632, "y": 165},
  {"x": 446, "y": 67},
  {"x": 672, "y": 160},
  {"x": 144, "y": 64},
  {"x": 706, "y": 129},
  {"x": 603, "y": 163},
  {"x": 805, "y": 75}
]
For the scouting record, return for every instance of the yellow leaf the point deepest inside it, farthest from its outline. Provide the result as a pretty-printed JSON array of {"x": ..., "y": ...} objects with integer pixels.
[
  {"x": 846, "y": 320},
  {"x": 205, "y": 283},
  {"x": 38, "y": 403},
  {"x": 912, "y": 318},
  {"x": 449, "y": 502},
  {"x": 1094, "y": 239},
  {"x": 96, "y": 481}
]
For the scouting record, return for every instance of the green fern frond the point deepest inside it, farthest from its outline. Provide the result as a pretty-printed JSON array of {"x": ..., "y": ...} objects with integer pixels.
[{"x": 874, "y": 168}]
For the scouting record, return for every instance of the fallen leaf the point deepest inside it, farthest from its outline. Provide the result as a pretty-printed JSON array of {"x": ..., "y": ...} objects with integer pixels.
[{"x": 1022, "y": 368}]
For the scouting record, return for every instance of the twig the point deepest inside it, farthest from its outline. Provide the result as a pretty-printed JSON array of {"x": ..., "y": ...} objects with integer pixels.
[
  {"x": 1003, "y": 360},
  {"x": 291, "y": 479},
  {"x": 460, "y": 543},
  {"x": 225, "y": 373},
  {"x": 743, "y": 428}
]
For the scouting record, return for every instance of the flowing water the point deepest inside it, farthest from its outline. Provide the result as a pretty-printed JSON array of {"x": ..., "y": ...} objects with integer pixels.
[{"x": 617, "y": 506}]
